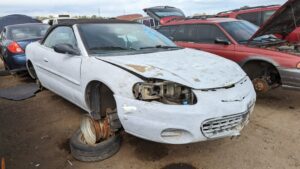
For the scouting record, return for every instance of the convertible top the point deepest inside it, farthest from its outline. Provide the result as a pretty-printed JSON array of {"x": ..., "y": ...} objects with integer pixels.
[
  {"x": 90, "y": 21},
  {"x": 71, "y": 22}
]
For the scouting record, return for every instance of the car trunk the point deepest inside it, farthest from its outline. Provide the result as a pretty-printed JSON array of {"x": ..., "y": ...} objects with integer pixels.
[
  {"x": 164, "y": 14},
  {"x": 25, "y": 42}
]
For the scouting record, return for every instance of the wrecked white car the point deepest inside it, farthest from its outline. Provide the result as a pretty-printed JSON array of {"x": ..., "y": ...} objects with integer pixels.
[{"x": 129, "y": 76}]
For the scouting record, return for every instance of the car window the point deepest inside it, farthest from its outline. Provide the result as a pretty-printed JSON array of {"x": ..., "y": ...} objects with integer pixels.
[
  {"x": 209, "y": 33},
  {"x": 266, "y": 15},
  {"x": 61, "y": 35},
  {"x": 200, "y": 33},
  {"x": 3, "y": 34},
  {"x": 241, "y": 31},
  {"x": 168, "y": 31},
  {"x": 253, "y": 17},
  {"x": 30, "y": 31},
  {"x": 118, "y": 38}
]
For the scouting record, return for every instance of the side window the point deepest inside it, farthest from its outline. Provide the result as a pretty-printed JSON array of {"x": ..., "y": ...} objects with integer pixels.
[
  {"x": 181, "y": 34},
  {"x": 168, "y": 31},
  {"x": 209, "y": 33},
  {"x": 253, "y": 17},
  {"x": 61, "y": 35},
  {"x": 3, "y": 34},
  {"x": 164, "y": 30},
  {"x": 200, "y": 33},
  {"x": 266, "y": 15}
]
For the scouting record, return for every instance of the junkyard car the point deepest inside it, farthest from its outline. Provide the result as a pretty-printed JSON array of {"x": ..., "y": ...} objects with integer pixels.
[
  {"x": 13, "y": 41},
  {"x": 269, "y": 61},
  {"x": 160, "y": 92},
  {"x": 259, "y": 15}
]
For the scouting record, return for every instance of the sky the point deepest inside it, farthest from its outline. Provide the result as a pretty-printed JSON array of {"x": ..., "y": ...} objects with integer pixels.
[{"x": 111, "y": 8}]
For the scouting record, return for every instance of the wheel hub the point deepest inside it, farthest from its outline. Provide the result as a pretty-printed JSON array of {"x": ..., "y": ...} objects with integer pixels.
[
  {"x": 95, "y": 130},
  {"x": 261, "y": 85}
]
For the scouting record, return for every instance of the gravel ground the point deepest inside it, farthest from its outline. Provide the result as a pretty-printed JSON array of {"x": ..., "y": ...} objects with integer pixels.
[{"x": 34, "y": 133}]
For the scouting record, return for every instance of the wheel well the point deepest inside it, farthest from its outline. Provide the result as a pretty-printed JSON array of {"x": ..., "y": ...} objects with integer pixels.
[
  {"x": 257, "y": 68},
  {"x": 99, "y": 98}
]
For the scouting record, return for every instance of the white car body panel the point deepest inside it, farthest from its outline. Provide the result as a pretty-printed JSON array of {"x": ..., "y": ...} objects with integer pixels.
[
  {"x": 205, "y": 73},
  {"x": 187, "y": 66}
]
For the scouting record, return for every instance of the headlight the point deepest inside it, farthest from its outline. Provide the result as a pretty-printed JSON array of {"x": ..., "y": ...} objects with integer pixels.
[
  {"x": 298, "y": 65},
  {"x": 165, "y": 92}
]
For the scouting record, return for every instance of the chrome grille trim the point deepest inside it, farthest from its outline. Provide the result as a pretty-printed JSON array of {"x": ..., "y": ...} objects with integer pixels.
[{"x": 217, "y": 126}]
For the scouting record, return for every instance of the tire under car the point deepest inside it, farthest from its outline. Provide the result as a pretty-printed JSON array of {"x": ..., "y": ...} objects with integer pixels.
[{"x": 98, "y": 152}]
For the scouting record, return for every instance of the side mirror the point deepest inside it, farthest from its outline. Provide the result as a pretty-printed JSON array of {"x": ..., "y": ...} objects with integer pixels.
[
  {"x": 222, "y": 41},
  {"x": 66, "y": 49}
]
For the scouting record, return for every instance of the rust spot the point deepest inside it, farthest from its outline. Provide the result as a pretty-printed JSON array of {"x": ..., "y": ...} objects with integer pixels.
[
  {"x": 138, "y": 68},
  {"x": 196, "y": 80},
  {"x": 2, "y": 163}
]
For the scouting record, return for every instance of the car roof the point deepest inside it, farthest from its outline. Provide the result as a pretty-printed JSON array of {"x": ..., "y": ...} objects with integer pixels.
[
  {"x": 250, "y": 9},
  {"x": 202, "y": 21}
]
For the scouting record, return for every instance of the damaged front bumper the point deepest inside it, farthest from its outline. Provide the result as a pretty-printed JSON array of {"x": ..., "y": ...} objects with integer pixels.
[
  {"x": 218, "y": 113},
  {"x": 290, "y": 78}
]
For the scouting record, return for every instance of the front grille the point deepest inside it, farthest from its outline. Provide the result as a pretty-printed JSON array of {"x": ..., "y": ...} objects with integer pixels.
[{"x": 219, "y": 126}]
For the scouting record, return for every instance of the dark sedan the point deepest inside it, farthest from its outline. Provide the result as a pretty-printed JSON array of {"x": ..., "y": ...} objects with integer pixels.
[{"x": 13, "y": 41}]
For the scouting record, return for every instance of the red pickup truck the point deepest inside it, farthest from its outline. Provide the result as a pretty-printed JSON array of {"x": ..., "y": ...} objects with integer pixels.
[{"x": 269, "y": 61}]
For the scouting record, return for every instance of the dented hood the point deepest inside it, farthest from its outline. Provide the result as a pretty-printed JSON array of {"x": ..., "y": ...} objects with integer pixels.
[
  {"x": 285, "y": 20},
  {"x": 193, "y": 68}
]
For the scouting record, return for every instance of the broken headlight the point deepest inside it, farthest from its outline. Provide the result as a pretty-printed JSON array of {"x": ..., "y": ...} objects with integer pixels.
[{"x": 165, "y": 92}]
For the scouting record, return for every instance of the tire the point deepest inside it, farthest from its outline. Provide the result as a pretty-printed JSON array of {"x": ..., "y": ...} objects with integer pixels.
[{"x": 100, "y": 151}]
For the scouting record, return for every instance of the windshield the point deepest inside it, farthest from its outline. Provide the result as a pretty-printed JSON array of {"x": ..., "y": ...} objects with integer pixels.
[
  {"x": 241, "y": 31},
  {"x": 112, "y": 38},
  {"x": 24, "y": 32}
]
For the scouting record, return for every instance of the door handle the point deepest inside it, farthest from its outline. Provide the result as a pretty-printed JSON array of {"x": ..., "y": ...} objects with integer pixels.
[{"x": 46, "y": 60}]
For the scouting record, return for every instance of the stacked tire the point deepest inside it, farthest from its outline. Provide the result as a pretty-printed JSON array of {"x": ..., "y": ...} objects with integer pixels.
[{"x": 98, "y": 152}]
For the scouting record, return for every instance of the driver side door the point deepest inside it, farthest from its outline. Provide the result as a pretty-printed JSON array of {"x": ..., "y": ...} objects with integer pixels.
[{"x": 62, "y": 72}]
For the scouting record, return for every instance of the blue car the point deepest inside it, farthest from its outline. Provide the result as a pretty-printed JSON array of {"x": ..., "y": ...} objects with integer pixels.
[{"x": 13, "y": 42}]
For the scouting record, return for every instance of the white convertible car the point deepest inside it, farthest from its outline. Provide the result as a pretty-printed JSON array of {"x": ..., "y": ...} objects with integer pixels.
[{"x": 131, "y": 77}]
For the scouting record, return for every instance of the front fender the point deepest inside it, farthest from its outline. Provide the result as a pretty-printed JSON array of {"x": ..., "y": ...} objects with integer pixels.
[{"x": 118, "y": 80}]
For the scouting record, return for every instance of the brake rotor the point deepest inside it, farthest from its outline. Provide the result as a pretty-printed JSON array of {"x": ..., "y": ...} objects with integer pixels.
[
  {"x": 261, "y": 85},
  {"x": 94, "y": 131}
]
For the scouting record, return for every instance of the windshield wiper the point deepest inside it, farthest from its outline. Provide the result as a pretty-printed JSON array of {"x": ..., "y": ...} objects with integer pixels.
[
  {"x": 160, "y": 47},
  {"x": 111, "y": 48}
]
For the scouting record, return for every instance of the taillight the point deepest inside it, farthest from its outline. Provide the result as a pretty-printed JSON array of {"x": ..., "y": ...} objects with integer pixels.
[{"x": 14, "y": 47}]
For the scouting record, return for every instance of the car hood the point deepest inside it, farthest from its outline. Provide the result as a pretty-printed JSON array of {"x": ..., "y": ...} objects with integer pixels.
[
  {"x": 192, "y": 68},
  {"x": 283, "y": 21}
]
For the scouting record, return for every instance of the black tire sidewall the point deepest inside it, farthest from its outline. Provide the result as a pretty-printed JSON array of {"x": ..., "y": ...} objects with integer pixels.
[{"x": 98, "y": 152}]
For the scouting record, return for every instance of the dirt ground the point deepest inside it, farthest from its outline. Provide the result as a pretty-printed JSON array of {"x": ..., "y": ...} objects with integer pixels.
[{"x": 34, "y": 134}]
